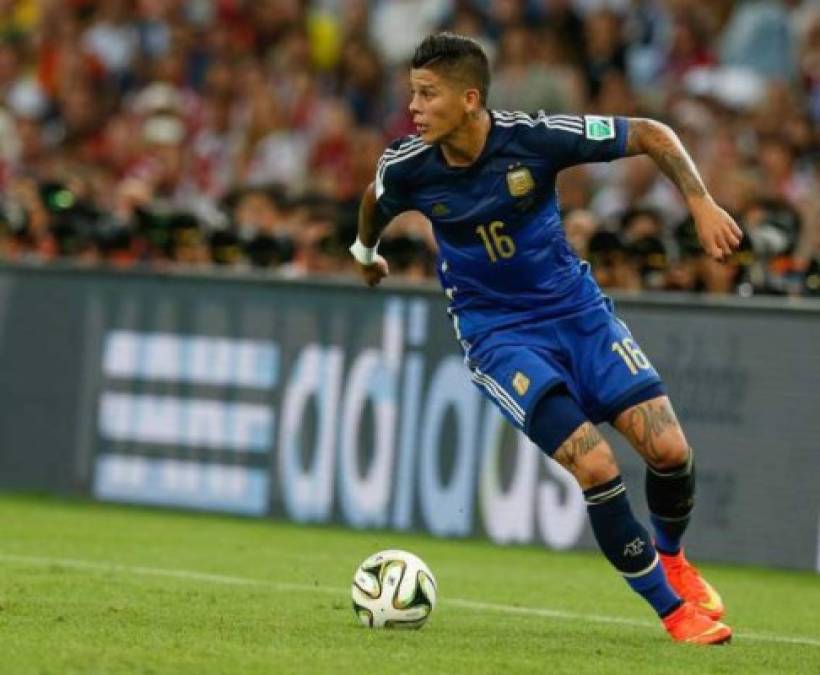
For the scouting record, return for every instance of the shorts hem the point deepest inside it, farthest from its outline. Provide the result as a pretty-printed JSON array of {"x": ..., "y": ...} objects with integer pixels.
[{"x": 637, "y": 394}]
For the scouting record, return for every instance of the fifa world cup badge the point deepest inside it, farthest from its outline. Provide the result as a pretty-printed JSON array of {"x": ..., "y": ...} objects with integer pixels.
[
  {"x": 520, "y": 182},
  {"x": 521, "y": 383}
]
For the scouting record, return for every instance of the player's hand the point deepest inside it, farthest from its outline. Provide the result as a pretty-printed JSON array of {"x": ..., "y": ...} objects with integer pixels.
[
  {"x": 375, "y": 272},
  {"x": 718, "y": 233}
]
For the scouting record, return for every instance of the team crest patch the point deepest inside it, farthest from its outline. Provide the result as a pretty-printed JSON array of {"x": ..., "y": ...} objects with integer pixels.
[
  {"x": 599, "y": 128},
  {"x": 521, "y": 383},
  {"x": 520, "y": 182}
]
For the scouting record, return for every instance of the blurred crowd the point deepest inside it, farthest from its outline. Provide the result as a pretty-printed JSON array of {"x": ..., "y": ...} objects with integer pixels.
[{"x": 240, "y": 133}]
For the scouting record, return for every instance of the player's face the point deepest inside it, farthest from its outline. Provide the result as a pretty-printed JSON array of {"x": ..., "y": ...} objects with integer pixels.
[{"x": 437, "y": 105}]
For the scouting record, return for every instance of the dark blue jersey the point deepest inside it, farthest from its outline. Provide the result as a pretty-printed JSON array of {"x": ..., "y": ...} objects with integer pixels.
[{"x": 504, "y": 258}]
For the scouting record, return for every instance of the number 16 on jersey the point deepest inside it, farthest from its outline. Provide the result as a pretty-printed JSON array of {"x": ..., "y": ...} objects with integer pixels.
[
  {"x": 632, "y": 355},
  {"x": 497, "y": 244}
]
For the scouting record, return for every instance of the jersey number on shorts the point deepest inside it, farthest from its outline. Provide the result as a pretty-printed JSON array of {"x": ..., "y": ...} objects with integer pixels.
[
  {"x": 498, "y": 245},
  {"x": 632, "y": 355}
]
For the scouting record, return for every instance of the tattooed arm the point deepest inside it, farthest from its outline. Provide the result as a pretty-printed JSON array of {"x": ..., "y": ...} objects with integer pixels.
[{"x": 717, "y": 231}]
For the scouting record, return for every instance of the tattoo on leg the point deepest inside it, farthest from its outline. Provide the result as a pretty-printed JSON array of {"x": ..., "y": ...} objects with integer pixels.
[
  {"x": 580, "y": 444},
  {"x": 646, "y": 423}
]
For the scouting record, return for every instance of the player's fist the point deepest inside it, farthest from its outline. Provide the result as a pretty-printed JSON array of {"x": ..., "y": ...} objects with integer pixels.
[
  {"x": 718, "y": 233},
  {"x": 374, "y": 272}
]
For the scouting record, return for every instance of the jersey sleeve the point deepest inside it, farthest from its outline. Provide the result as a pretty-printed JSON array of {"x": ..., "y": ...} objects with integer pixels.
[
  {"x": 578, "y": 139},
  {"x": 390, "y": 195}
]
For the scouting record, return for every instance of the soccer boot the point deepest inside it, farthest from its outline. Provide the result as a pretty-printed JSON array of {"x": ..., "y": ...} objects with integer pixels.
[
  {"x": 687, "y": 582},
  {"x": 688, "y": 624}
]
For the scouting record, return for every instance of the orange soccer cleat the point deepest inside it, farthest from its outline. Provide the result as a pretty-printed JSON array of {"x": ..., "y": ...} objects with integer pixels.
[
  {"x": 688, "y": 624},
  {"x": 687, "y": 582}
]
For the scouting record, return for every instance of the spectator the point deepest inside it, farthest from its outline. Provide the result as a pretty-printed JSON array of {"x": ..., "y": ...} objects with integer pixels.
[
  {"x": 639, "y": 185},
  {"x": 361, "y": 82},
  {"x": 397, "y": 26},
  {"x": 269, "y": 152},
  {"x": 605, "y": 48},
  {"x": 112, "y": 38},
  {"x": 580, "y": 226},
  {"x": 811, "y": 283},
  {"x": 259, "y": 222},
  {"x": 317, "y": 248},
  {"x": 331, "y": 160},
  {"x": 643, "y": 233},
  {"x": 612, "y": 265},
  {"x": 521, "y": 82},
  {"x": 759, "y": 36},
  {"x": 689, "y": 46}
]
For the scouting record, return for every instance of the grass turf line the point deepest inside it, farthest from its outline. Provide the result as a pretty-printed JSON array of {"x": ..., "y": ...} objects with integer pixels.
[{"x": 267, "y": 617}]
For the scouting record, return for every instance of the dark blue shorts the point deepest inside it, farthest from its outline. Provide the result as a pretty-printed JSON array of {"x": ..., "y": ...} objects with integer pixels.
[{"x": 593, "y": 353}]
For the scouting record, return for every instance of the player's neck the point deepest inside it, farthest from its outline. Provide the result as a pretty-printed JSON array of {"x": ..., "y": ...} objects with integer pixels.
[{"x": 464, "y": 145}]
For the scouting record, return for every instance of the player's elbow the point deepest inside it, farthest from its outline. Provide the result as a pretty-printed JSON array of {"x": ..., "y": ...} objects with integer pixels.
[{"x": 645, "y": 134}]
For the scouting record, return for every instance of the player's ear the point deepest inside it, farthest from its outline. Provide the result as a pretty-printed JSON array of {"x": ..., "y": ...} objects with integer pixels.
[{"x": 472, "y": 101}]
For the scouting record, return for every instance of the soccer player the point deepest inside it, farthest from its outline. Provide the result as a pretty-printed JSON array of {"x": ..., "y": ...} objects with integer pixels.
[{"x": 540, "y": 339}]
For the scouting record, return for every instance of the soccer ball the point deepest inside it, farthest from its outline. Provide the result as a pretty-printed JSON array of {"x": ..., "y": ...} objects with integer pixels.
[{"x": 393, "y": 589}]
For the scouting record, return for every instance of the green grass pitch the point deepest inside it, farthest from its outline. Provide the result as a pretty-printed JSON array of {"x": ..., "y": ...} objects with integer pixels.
[{"x": 91, "y": 588}]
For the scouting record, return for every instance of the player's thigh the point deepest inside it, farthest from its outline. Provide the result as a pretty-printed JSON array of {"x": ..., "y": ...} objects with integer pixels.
[
  {"x": 588, "y": 457},
  {"x": 652, "y": 428},
  {"x": 609, "y": 366}
]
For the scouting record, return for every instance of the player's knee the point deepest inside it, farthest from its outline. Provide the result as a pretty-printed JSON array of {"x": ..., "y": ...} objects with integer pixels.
[
  {"x": 671, "y": 454},
  {"x": 597, "y": 468},
  {"x": 588, "y": 457},
  {"x": 561, "y": 429}
]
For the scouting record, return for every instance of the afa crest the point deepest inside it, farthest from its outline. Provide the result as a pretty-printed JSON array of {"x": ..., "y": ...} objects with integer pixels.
[
  {"x": 521, "y": 383},
  {"x": 520, "y": 182}
]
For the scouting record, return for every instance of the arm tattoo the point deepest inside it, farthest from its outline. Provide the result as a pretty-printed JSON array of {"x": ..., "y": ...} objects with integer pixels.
[
  {"x": 663, "y": 145},
  {"x": 646, "y": 423}
]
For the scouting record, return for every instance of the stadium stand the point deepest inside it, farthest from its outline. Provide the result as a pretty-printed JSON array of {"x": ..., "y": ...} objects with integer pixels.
[{"x": 240, "y": 133}]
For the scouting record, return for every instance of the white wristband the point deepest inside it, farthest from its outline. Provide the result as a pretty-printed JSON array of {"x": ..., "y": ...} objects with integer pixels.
[{"x": 364, "y": 254}]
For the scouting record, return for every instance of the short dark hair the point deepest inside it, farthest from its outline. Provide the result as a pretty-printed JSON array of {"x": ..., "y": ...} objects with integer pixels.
[{"x": 458, "y": 57}]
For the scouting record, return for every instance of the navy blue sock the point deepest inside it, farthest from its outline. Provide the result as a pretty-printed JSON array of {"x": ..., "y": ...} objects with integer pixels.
[
  {"x": 656, "y": 590},
  {"x": 667, "y": 539},
  {"x": 626, "y": 544},
  {"x": 670, "y": 495}
]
